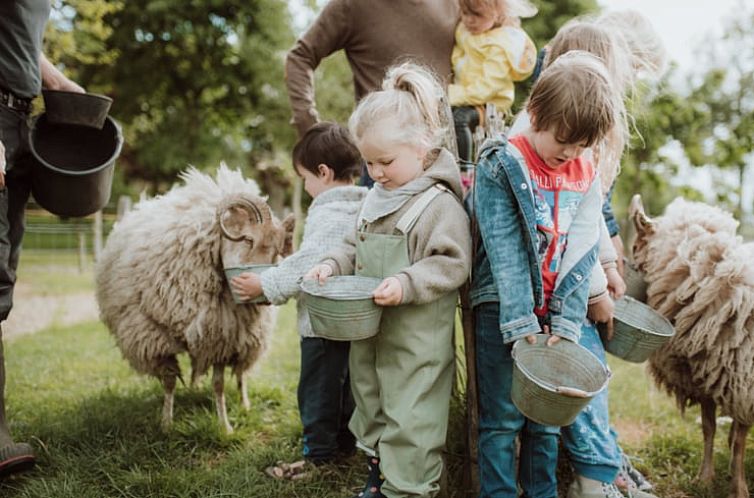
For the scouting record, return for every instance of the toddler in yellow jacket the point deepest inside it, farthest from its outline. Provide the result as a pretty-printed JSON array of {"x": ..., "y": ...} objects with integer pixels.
[{"x": 491, "y": 52}]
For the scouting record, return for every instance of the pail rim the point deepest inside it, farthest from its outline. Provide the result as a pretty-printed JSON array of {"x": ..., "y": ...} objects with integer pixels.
[
  {"x": 555, "y": 389},
  {"x": 310, "y": 287},
  {"x": 106, "y": 164},
  {"x": 630, "y": 319}
]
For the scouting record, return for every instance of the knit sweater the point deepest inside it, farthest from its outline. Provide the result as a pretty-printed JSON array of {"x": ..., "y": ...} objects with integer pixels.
[
  {"x": 331, "y": 217},
  {"x": 375, "y": 34},
  {"x": 439, "y": 244}
]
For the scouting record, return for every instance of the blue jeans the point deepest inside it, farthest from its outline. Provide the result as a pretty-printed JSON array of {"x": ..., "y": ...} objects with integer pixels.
[
  {"x": 592, "y": 446},
  {"x": 500, "y": 422}
]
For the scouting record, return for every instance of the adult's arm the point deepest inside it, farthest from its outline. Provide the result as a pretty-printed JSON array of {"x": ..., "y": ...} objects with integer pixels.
[
  {"x": 328, "y": 34},
  {"x": 54, "y": 79}
]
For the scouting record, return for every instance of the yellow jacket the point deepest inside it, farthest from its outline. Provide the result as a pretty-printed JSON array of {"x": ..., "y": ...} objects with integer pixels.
[{"x": 486, "y": 65}]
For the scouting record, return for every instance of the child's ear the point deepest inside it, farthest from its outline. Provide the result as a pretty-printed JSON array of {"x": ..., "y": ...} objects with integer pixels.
[{"x": 325, "y": 172}]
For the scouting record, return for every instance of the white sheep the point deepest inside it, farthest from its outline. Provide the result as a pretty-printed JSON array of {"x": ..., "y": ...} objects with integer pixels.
[
  {"x": 701, "y": 277},
  {"x": 161, "y": 288}
]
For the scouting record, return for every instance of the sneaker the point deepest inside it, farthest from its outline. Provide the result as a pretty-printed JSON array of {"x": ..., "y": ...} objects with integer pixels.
[
  {"x": 374, "y": 480},
  {"x": 632, "y": 476},
  {"x": 581, "y": 487},
  {"x": 637, "y": 493}
]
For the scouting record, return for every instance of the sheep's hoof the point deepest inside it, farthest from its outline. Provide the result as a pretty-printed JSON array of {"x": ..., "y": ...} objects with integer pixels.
[
  {"x": 705, "y": 477},
  {"x": 166, "y": 424},
  {"x": 228, "y": 428}
]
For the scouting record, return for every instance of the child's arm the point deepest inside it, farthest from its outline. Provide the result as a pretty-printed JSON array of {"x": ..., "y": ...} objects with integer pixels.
[
  {"x": 505, "y": 242},
  {"x": 584, "y": 232},
  {"x": 281, "y": 283}
]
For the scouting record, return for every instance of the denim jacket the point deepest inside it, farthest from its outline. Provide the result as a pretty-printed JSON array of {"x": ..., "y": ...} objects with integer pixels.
[{"x": 506, "y": 266}]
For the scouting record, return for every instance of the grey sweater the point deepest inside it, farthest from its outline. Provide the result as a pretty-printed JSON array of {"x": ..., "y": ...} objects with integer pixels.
[
  {"x": 331, "y": 218},
  {"x": 439, "y": 244}
]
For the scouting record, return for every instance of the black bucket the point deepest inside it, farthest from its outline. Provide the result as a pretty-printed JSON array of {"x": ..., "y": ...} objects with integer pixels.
[{"x": 73, "y": 165}]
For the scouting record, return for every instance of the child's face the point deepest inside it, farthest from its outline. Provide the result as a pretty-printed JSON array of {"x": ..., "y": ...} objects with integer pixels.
[
  {"x": 553, "y": 152},
  {"x": 478, "y": 22},
  {"x": 389, "y": 164},
  {"x": 314, "y": 184}
]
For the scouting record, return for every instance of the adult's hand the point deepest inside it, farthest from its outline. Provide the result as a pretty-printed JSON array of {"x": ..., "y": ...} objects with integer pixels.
[{"x": 53, "y": 79}]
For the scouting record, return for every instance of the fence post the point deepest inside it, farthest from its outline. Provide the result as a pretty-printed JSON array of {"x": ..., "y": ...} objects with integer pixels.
[
  {"x": 97, "y": 235},
  {"x": 82, "y": 248}
]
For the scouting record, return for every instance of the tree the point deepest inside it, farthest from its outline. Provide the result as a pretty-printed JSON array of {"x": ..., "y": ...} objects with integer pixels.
[{"x": 725, "y": 96}]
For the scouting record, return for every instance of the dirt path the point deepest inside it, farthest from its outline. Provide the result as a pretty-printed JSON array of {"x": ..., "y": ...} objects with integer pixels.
[{"x": 32, "y": 313}]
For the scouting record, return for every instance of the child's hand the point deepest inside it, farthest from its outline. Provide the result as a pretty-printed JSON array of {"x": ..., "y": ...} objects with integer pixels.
[
  {"x": 602, "y": 312},
  {"x": 389, "y": 292},
  {"x": 553, "y": 339},
  {"x": 615, "y": 284},
  {"x": 319, "y": 272},
  {"x": 247, "y": 285}
]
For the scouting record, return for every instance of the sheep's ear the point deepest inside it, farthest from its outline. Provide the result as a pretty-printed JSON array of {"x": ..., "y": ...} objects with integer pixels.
[
  {"x": 643, "y": 223},
  {"x": 289, "y": 225}
]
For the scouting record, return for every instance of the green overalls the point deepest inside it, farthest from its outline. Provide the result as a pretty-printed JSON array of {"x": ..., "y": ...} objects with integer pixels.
[{"x": 401, "y": 378}]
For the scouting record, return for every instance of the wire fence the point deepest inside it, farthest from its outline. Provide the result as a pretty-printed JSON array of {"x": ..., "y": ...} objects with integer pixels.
[{"x": 52, "y": 235}]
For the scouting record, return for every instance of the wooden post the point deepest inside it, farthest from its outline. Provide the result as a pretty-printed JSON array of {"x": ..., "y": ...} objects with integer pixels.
[
  {"x": 97, "y": 235},
  {"x": 82, "y": 248}
]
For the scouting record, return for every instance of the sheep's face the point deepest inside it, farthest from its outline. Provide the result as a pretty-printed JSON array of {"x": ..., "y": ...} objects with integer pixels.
[{"x": 251, "y": 234}]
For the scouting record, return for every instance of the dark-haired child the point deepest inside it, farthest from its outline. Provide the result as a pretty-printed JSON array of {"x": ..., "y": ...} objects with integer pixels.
[{"x": 328, "y": 161}]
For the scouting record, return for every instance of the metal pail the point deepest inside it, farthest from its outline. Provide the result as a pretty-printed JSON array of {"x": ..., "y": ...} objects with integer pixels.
[
  {"x": 552, "y": 384},
  {"x": 234, "y": 271},
  {"x": 639, "y": 330}
]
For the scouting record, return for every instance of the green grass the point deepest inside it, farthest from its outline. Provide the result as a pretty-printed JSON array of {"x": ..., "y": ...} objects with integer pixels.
[
  {"x": 55, "y": 273},
  {"x": 95, "y": 423}
]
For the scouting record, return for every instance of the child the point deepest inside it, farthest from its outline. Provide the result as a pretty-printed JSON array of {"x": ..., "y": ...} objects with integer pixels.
[
  {"x": 537, "y": 204},
  {"x": 328, "y": 161},
  {"x": 413, "y": 233},
  {"x": 491, "y": 52},
  {"x": 594, "y": 464}
]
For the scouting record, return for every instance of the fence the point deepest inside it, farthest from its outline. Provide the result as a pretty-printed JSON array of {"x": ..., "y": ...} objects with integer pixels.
[{"x": 85, "y": 237}]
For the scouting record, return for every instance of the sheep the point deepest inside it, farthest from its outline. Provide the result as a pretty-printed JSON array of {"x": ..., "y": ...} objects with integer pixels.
[
  {"x": 161, "y": 289},
  {"x": 700, "y": 277}
]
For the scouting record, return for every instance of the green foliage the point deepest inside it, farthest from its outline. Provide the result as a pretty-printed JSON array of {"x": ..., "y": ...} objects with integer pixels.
[{"x": 193, "y": 82}]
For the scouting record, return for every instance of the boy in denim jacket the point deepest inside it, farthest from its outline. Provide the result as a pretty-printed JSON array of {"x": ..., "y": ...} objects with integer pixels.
[{"x": 538, "y": 207}]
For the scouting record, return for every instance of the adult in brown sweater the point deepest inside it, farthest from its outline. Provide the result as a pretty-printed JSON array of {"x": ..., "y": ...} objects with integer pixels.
[{"x": 375, "y": 34}]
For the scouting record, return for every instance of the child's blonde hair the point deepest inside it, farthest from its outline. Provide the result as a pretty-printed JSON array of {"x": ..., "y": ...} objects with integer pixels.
[
  {"x": 507, "y": 11},
  {"x": 410, "y": 99},
  {"x": 574, "y": 99},
  {"x": 646, "y": 49},
  {"x": 614, "y": 52}
]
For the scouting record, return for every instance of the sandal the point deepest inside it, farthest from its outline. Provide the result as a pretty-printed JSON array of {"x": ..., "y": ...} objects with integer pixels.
[
  {"x": 16, "y": 458},
  {"x": 289, "y": 471}
]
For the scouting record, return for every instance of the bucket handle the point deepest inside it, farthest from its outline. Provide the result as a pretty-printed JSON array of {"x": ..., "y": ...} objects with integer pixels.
[{"x": 572, "y": 392}]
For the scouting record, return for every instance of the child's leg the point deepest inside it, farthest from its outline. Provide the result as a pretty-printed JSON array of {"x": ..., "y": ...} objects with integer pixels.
[
  {"x": 466, "y": 119},
  {"x": 368, "y": 420},
  {"x": 539, "y": 460},
  {"x": 592, "y": 447},
  {"x": 324, "y": 368},
  {"x": 499, "y": 419},
  {"x": 415, "y": 365}
]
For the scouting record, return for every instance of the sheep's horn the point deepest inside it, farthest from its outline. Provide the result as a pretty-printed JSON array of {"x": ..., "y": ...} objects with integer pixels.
[
  {"x": 242, "y": 202},
  {"x": 636, "y": 212}
]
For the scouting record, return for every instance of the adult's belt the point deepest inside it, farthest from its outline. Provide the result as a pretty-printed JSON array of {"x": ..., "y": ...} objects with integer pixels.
[{"x": 9, "y": 100}]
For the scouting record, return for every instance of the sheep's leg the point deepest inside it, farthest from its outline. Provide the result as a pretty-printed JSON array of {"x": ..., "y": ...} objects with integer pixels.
[
  {"x": 738, "y": 488},
  {"x": 218, "y": 381},
  {"x": 194, "y": 374},
  {"x": 243, "y": 388},
  {"x": 168, "y": 383},
  {"x": 709, "y": 426}
]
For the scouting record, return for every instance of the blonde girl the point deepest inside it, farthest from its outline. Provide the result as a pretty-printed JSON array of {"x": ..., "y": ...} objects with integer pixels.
[{"x": 412, "y": 233}]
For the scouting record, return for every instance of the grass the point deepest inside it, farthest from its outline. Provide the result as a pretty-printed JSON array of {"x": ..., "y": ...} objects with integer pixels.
[{"x": 95, "y": 423}]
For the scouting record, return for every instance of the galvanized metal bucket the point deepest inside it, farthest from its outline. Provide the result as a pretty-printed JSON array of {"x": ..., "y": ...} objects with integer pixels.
[
  {"x": 343, "y": 309},
  {"x": 234, "y": 271},
  {"x": 638, "y": 332},
  {"x": 552, "y": 384},
  {"x": 636, "y": 287}
]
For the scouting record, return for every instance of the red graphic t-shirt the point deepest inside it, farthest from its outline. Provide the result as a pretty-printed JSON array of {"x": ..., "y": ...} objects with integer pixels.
[{"x": 557, "y": 195}]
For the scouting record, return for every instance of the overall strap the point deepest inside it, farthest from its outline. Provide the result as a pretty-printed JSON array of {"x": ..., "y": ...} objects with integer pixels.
[{"x": 407, "y": 221}]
